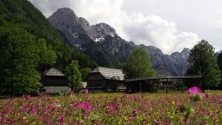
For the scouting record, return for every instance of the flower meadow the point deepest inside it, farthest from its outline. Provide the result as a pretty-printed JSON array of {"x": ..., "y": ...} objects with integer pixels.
[{"x": 193, "y": 108}]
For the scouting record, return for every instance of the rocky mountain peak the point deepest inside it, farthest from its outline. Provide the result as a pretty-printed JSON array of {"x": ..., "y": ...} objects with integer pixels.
[
  {"x": 86, "y": 27},
  {"x": 63, "y": 18},
  {"x": 185, "y": 51},
  {"x": 101, "y": 30},
  {"x": 76, "y": 30},
  {"x": 66, "y": 11},
  {"x": 131, "y": 43},
  {"x": 152, "y": 50}
]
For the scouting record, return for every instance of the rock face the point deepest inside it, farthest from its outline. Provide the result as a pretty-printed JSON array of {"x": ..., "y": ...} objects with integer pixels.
[
  {"x": 174, "y": 64},
  {"x": 101, "y": 30},
  {"x": 102, "y": 43},
  {"x": 180, "y": 60},
  {"x": 118, "y": 47},
  {"x": 77, "y": 30}
]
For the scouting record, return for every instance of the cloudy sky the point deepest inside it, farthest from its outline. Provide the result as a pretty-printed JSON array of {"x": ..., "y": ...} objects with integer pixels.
[{"x": 170, "y": 25}]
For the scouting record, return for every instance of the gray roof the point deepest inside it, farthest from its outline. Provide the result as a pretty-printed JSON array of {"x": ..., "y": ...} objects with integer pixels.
[
  {"x": 109, "y": 73},
  {"x": 165, "y": 77},
  {"x": 53, "y": 72}
]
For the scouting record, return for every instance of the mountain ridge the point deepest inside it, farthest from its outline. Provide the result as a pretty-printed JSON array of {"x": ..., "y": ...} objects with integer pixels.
[{"x": 113, "y": 45}]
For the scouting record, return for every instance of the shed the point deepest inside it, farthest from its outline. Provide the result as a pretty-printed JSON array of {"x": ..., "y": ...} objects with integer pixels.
[
  {"x": 139, "y": 84},
  {"x": 54, "y": 81},
  {"x": 105, "y": 79}
]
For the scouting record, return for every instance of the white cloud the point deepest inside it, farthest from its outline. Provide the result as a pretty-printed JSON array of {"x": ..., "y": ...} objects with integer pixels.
[
  {"x": 147, "y": 30},
  {"x": 153, "y": 30}
]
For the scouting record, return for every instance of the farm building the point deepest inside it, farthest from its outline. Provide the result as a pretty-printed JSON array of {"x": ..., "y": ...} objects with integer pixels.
[
  {"x": 54, "y": 81},
  {"x": 105, "y": 79}
]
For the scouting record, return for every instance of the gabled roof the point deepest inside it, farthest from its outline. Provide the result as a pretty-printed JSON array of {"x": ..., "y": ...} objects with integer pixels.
[
  {"x": 109, "y": 73},
  {"x": 53, "y": 72}
]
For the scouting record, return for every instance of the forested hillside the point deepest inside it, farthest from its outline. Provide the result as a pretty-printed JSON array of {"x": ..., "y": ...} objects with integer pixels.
[
  {"x": 23, "y": 14},
  {"x": 29, "y": 45}
]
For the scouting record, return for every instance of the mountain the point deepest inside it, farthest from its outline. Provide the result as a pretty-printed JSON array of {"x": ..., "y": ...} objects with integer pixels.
[
  {"x": 175, "y": 64},
  {"x": 180, "y": 60},
  {"x": 81, "y": 35},
  {"x": 102, "y": 43}
]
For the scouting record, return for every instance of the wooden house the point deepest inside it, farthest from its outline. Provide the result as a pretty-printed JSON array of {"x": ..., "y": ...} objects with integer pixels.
[
  {"x": 105, "y": 79},
  {"x": 54, "y": 81}
]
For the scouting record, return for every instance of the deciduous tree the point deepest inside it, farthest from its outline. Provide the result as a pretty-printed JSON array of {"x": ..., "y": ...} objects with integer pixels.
[
  {"x": 18, "y": 61},
  {"x": 138, "y": 64},
  {"x": 219, "y": 57},
  {"x": 85, "y": 72},
  {"x": 74, "y": 75},
  {"x": 203, "y": 61}
]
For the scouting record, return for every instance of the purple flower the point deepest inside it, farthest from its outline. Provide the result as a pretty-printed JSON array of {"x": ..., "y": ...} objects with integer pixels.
[{"x": 194, "y": 90}]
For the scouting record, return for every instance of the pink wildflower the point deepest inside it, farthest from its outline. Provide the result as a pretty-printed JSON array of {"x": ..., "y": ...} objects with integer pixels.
[
  {"x": 62, "y": 119},
  {"x": 33, "y": 110},
  {"x": 86, "y": 91},
  {"x": 72, "y": 92},
  {"x": 53, "y": 106},
  {"x": 28, "y": 97},
  {"x": 135, "y": 112},
  {"x": 13, "y": 120},
  {"x": 213, "y": 117},
  {"x": 194, "y": 90},
  {"x": 24, "y": 108},
  {"x": 203, "y": 122},
  {"x": 133, "y": 97},
  {"x": 42, "y": 118},
  {"x": 84, "y": 105},
  {"x": 155, "y": 121},
  {"x": 205, "y": 95},
  {"x": 111, "y": 108}
]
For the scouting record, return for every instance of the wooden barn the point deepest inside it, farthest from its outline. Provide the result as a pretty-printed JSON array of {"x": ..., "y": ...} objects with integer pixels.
[
  {"x": 54, "y": 81},
  {"x": 104, "y": 79}
]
